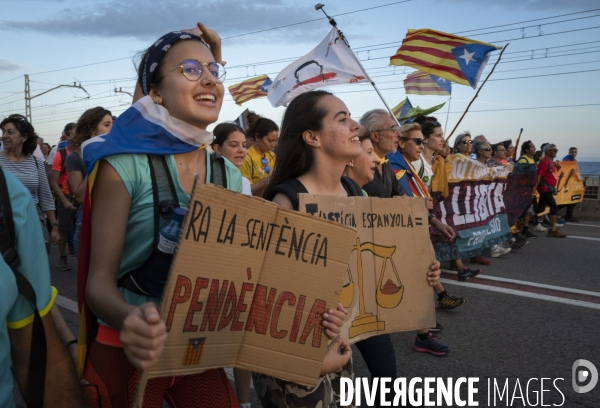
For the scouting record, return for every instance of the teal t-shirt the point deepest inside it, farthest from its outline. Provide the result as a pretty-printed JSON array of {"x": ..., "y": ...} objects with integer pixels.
[
  {"x": 15, "y": 311},
  {"x": 135, "y": 173}
]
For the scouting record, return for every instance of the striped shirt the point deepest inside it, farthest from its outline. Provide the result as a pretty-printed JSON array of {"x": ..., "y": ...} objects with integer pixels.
[{"x": 33, "y": 177}]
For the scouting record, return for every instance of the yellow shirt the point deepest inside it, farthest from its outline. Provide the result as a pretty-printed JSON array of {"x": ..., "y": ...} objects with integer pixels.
[
  {"x": 253, "y": 168},
  {"x": 525, "y": 159}
]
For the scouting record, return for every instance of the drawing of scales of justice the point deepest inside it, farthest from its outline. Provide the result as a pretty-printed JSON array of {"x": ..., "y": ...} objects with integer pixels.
[{"x": 388, "y": 295}]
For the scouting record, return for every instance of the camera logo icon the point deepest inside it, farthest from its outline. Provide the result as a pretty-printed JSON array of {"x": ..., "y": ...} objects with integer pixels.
[{"x": 585, "y": 376}]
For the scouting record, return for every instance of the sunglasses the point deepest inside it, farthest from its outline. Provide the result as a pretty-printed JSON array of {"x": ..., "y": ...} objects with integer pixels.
[
  {"x": 467, "y": 142},
  {"x": 192, "y": 70},
  {"x": 418, "y": 141},
  {"x": 489, "y": 149},
  {"x": 553, "y": 150},
  {"x": 265, "y": 166}
]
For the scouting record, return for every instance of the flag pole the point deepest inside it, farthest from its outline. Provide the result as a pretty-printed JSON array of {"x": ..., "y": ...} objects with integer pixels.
[
  {"x": 448, "y": 114},
  {"x": 517, "y": 145},
  {"x": 477, "y": 93},
  {"x": 343, "y": 38}
]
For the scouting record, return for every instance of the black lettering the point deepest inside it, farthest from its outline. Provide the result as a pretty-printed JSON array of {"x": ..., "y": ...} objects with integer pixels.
[
  {"x": 311, "y": 209},
  {"x": 281, "y": 239},
  {"x": 314, "y": 252},
  {"x": 219, "y": 240},
  {"x": 304, "y": 247},
  {"x": 248, "y": 232},
  {"x": 230, "y": 231},
  {"x": 410, "y": 222},
  {"x": 296, "y": 244},
  {"x": 322, "y": 252}
]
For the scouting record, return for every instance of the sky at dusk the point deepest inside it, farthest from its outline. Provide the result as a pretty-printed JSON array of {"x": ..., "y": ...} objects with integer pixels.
[{"x": 548, "y": 81}]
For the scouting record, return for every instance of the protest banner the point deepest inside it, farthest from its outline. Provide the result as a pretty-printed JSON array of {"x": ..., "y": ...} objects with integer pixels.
[
  {"x": 519, "y": 190},
  {"x": 248, "y": 286},
  {"x": 473, "y": 205},
  {"x": 385, "y": 288},
  {"x": 570, "y": 186}
]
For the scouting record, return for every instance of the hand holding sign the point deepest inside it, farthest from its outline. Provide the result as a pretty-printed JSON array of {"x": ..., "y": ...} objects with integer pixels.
[{"x": 143, "y": 336}]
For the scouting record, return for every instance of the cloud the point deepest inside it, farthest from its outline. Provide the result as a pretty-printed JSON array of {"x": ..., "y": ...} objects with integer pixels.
[
  {"x": 10, "y": 66},
  {"x": 537, "y": 5},
  {"x": 143, "y": 20}
]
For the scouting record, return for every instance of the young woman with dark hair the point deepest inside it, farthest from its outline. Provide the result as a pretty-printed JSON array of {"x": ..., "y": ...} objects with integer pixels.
[
  {"x": 260, "y": 159},
  {"x": 94, "y": 122},
  {"x": 318, "y": 139},
  {"x": 230, "y": 142}
]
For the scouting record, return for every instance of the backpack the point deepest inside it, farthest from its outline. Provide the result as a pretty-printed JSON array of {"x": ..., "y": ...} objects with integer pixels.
[
  {"x": 292, "y": 187},
  {"x": 150, "y": 278},
  {"x": 36, "y": 376}
]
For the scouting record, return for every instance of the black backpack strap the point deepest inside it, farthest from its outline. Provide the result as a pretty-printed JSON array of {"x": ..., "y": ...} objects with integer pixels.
[
  {"x": 63, "y": 156},
  {"x": 291, "y": 188},
  {"x": 218, "y": 172},
  {"x": 351, "y": 187},
  {"x": 163, "y": 192},
  {"x": 36, "y": 375}
]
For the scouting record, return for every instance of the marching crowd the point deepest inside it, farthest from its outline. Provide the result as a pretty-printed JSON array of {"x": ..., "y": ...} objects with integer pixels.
[{"x": 319, "y": 149}]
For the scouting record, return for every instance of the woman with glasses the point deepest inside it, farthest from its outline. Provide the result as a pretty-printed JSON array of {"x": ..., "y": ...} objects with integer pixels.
[
  {"x": 260, "y": 159},
  {"x": 463, "y": 145},
  {"x": 483, "y": 152},
  {"x": 183, "y": 93},
  {"x": 19, "y": 141},
  {"x": 499, "y": 154}
]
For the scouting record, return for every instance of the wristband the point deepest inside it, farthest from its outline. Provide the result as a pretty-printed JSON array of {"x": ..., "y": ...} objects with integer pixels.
[{"x": 69, "y": 344}]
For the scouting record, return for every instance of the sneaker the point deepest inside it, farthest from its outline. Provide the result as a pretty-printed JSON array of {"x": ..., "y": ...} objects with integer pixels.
[
  {"x": 519, "y": 244},
  {"x": 438, "y": 328},
  {"x": 572, "y": 219},
  {"x": 63, "y": 264},
  {"x": 449, "y": 302},
  {"x": 560, "y": 221},
  {"x": 540, "y": 228},
  {"x": 431, "y": 346},
  {"x": 555, "y": 234},
  {"x": 467, "y": 273},
  {"x": 529, "y": 234},
  {"x": 500, "y": 251},
  {"x": 481, "y": 261}
]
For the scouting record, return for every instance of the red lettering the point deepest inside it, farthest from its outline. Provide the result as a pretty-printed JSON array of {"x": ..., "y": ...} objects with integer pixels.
[
  {"x": 283, "y": 297},
  {"x": 297, "y": 318},
  {"x": 314, "y": 321},
  {"x": 195, "y": 306},
  {"x": 228, "y": 308},
  {"x": 241, "y": 307},
  {"x": 260, "y": 309},
  {"x": 213, "y": 305},
  {"x": 182, "y": 282}
]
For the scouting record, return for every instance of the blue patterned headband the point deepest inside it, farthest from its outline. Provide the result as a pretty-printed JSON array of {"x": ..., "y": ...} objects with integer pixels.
[{"x": 158, "y": 51}]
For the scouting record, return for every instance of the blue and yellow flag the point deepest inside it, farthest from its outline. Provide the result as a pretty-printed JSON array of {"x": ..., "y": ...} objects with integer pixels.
[{"x": 420, "y": 83}]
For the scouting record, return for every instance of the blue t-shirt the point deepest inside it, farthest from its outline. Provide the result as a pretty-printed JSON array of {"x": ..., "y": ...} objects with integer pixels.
[
  {"x": 15, "y": 311},
  {"x": 568, "y": 157},
  {"x": 139, "y": 235}
]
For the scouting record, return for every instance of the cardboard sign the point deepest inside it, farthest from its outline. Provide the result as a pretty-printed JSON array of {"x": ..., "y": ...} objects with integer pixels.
[
  {"x": 248, "y": 287},
  {"x": 570, "y": 186},
  {"x": 385, "y": 286}
]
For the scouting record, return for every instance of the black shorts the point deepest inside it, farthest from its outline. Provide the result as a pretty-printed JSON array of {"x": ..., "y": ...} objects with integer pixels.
[
  {"x": 66, "y": 218},
  {"x": 547, "y": 199}
]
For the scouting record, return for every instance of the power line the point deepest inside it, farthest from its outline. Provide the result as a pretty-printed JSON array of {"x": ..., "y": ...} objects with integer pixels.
[{"x": 539, "y": 25}]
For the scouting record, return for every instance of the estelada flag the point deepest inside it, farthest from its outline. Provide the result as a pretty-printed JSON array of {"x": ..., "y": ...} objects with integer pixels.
[
  {"x": 331, "y": 63},
  {"x": 420, "y": 83},
  {"x": 193, "y": 351},
  {"x": 457, "y": 59},
  {"x": 250, "y": 89},
  {"x": 402, "y": 108}
]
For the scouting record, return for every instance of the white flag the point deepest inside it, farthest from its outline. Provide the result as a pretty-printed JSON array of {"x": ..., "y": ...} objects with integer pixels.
[{"x": 331, "y": 63}]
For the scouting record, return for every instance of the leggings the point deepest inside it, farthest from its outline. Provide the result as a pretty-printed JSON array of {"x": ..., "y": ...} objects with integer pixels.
[{"x": 113, "y": 382}]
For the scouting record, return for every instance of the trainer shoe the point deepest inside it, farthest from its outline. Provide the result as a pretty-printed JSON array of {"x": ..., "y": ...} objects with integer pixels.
[
  {"x": 438, "y": 328},
  {"x": 500, "y": 251},
  {"x": 449, "y": 302},
  {"x": 560, "y": 220},
  {"x": 555, "y": 234},
  {"x": 431, "y": 346},
  {"x": 468, "y": 273},
  {"x": 480, "y": 260},
  {"x": 540, "y": 228},
  {"x": 519, "y": 244},
  {"x": 529, "y": 234},
  {"x": 63, "y": 264}
]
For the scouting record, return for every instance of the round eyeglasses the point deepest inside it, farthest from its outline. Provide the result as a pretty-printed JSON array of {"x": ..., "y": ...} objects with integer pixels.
[{"x": 192, "y": 70}]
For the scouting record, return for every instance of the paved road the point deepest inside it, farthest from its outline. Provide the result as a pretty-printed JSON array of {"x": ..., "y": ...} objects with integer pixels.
[{"x": 517, "y": 333}]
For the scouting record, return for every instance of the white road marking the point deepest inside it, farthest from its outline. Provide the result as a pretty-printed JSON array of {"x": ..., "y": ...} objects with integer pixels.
[
  {"x": 66, "y": 303},
  {"x": 584, "y": 225},
  {"x": 533, "y": 284},
  {"x": 586, "y": 238},
  {"x": 538, "y": 296}
]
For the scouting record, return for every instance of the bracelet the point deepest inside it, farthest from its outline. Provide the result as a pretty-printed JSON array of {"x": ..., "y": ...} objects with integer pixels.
[{"x": 69, "y": 344}]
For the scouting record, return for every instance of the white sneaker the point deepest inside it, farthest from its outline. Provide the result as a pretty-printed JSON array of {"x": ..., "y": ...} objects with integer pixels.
[
  {"x": 499, "y": 251},
  {"x": 559, "y": 225},
  {"x": 539, "y": 228}
]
